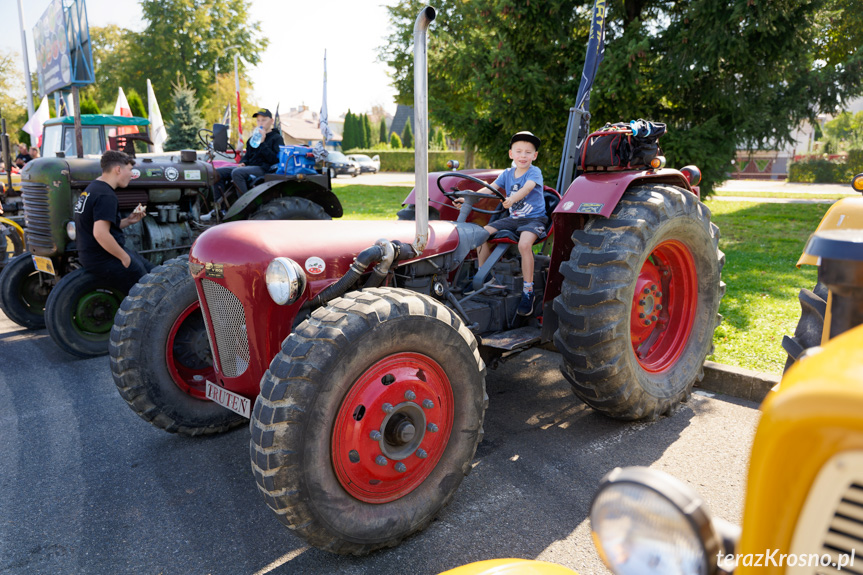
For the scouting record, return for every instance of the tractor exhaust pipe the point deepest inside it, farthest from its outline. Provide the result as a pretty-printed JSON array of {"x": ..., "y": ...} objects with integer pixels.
[{"x": 421, "y": 127}]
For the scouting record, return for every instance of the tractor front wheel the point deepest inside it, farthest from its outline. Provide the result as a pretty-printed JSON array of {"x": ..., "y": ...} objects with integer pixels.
[
  {"x": 79, "y": 313},
  {"x": 160, "y": 355},
  {"x": 23, "y": 293},
  {"x": 368, "y": 419},
  {"x": 639, "y": 303}
]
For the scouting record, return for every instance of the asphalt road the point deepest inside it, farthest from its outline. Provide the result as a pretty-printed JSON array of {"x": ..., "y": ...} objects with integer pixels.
[{"x": 88, "y": 487}]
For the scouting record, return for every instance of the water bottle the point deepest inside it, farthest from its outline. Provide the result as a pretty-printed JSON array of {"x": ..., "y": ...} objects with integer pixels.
[{"x": 257, "y": 137}]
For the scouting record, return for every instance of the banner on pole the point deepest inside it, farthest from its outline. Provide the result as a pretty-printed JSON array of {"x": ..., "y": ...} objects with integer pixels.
[{"x": 64, "y": 53}]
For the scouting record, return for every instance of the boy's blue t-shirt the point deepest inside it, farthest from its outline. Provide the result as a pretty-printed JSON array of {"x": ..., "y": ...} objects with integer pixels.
[{"x": 533, "y": 206}]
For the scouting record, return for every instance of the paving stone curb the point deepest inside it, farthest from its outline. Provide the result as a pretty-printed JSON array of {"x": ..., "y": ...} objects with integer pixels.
[{"x": 736, "y": 381}]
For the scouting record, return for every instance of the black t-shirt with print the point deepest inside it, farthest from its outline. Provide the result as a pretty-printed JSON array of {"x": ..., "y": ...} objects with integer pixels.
[{"x": 97, "y": 202}]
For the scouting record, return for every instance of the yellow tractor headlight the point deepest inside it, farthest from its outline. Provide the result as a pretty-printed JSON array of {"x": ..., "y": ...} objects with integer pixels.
[{"x": 857, "y": 182}]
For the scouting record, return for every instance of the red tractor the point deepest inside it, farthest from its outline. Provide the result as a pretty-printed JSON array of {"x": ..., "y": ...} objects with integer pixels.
[{"x": 358, "y": 350}]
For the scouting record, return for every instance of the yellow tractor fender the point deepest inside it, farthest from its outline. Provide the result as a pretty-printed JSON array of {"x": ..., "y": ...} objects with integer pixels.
[
  {"x": 846, "y": 214},
  {"x": 510, "y": 567},
  {"x": 18, "y": 229}
]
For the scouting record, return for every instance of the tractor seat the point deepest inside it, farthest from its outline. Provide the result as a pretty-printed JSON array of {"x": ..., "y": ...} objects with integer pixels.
[{"x": 551, "y": 198}]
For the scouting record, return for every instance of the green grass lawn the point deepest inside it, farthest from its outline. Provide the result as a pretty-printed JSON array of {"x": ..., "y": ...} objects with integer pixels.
[
  {"x": 371, "y": 202},
  {"x": 789, "y": 195},
  {"x": 762, "y": 243}
]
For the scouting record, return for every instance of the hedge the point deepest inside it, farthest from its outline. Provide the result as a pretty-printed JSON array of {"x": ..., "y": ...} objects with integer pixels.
[
  {"x": 403, "y": 160},
  {"x": 821, "y": 171}
]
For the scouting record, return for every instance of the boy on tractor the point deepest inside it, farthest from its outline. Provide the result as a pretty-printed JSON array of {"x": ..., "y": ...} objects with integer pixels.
[
  {"x": 523, "y": 186},
  {"x": 261, "y": 154}
]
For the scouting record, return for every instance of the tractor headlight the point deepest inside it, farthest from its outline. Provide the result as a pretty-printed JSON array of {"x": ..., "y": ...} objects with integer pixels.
[
  {"x": 857, "y": 182},
  {"x": 286, "y": 280},
  {"x": 71, "y": 231},
  {"x": 646, "y": 521}
]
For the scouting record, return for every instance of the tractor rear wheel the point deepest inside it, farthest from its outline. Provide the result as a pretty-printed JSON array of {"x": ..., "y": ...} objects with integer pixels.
[
  {"x": 368, "y": 419},
  {"x": 813, "y": 309},
  {"x": 80, "y": 311},
  {"x": 639, "y": 303},
  {"x": 290, "y": 208},
  {"x": 11, "y": 244},
  {"x": 23, "y": 294},
  {"x": 160, "y": 355}
]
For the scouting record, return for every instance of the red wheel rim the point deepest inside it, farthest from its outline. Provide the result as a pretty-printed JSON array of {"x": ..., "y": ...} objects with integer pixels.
[
  {"x": 183, "y": 353},
  {"x": 664, "y": 306},
  {"x": 392, "y": 427}
]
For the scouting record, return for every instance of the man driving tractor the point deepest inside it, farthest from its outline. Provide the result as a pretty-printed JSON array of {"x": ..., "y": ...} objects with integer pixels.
[{"x": 261, "y": 154}]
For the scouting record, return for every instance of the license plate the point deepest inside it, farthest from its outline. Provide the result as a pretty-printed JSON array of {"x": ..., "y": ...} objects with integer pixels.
[
  {"x": 229, "y": 399},
  {"x": 44, "y": 264}
]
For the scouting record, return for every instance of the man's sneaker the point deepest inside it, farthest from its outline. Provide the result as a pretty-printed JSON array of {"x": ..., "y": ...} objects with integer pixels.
[{"x": 525, "y": 306}]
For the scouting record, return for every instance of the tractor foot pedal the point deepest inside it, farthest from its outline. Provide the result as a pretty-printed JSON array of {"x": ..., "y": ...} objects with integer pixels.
[{"x": 513, "y": 339}]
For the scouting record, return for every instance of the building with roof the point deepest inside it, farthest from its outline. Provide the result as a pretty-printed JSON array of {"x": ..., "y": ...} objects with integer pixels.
[{"x": 302, "y": 127}]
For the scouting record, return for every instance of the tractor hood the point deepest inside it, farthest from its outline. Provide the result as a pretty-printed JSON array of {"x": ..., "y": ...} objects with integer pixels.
[{"x": 325, "y": 249}]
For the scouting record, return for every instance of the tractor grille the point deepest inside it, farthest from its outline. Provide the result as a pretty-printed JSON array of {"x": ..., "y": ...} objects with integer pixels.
[
  {"x": 229, "y": 324},
  {"x": 831, "y": 520},
  {"x": 37, "y": 217},
  {"x": 845, "y": 532}
]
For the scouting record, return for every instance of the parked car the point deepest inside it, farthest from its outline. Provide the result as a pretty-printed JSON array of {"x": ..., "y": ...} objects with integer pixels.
[
  {"x": 341, "y": 164},
  {"x": 366, "y": 163}
]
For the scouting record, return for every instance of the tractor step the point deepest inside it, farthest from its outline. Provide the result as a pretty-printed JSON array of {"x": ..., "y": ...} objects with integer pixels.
[{"x": 513, "y": 339}]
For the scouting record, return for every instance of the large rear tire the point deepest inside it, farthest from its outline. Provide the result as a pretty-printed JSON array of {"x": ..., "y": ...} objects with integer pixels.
[
  {"x": 368, "y": 419},
  {"x": 639, "y": 303},
  {"x": 11, "y": 244},
  {"x": 290, "y": 208},
  {"x": 813, "y": 309},
  {"x": 80, "y": 311},
  {"x": 23, "y": 294},
  {"x": 160, "y": 355}
]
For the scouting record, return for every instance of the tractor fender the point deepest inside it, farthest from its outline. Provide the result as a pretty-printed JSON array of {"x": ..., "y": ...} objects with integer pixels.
[
  {"x": 18, "y": 229},
  {"x": 597, "y": 193},
  {"x": 846, "y": 214},
  {"x": 307, "y": 188},
  {"x": 591, "y": 195}
]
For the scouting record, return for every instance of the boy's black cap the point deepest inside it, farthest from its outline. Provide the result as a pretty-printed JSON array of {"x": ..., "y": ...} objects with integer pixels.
[
  {"x": 263, "y": 112},
  {"x": 525, "y": 137}
]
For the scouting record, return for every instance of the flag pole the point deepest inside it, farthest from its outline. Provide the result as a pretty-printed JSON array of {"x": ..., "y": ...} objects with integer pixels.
[
  {"x": 79, "y": 137},
  {"x": 30, "y": 109}
]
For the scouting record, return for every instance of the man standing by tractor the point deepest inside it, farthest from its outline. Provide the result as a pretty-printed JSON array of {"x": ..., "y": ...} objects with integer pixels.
[
  {"x": 99, "y": 226},
  {"x": 262, "y": 153}
]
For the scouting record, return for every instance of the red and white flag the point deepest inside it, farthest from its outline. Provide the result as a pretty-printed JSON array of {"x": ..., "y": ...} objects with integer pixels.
[
  {"x": 36, "y": 121},
  {"x": 122, "y": 108}
]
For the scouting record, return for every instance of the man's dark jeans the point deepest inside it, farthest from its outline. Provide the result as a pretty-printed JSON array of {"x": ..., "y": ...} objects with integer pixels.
[
  {"x": 240, "y": 177},
  {"x": 120, "y": 277}
]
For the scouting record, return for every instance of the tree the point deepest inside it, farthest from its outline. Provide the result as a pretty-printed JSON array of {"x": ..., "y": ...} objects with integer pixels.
[
  {"x": 367, "y": 132},
  {"x": 496, "y": 68},
  {"x": 136, "y": 104},
  {"x": 407, "y": 136},
  {"x": 188, "y": 120},
  {"x": 13, "y": 96},
  {"x": 348, "y": 134},
  {"x": 89, "y": 106},
  {"x": 845, "y": 132},
  {"x": 395, "y": 141},
  {"x": 383, "y": 131},
  {"x": 181, "y": 37},
  {"x": 226, "y": 95}
]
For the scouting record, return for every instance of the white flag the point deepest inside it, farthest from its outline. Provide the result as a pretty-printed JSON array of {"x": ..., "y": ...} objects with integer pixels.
[
  {"x": 36, "y": 121},
  {"x": 326, "y": 133},
  {"x": 157, "y": 127},
  {"x": 122, "y": 108}
]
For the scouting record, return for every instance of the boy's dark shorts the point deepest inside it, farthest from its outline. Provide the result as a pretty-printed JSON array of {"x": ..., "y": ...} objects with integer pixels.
[{"x": 536, "y": 225}]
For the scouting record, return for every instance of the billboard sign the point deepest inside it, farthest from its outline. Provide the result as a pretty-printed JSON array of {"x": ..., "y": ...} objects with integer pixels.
[{"x": 63, "y": 51}]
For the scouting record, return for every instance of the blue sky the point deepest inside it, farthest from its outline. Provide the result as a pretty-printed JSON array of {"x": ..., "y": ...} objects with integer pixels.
[{"x": 298, "y": 31}]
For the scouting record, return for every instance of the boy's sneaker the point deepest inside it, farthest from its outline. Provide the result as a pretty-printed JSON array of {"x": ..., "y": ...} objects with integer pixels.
[{"x": 525, "y": 306}]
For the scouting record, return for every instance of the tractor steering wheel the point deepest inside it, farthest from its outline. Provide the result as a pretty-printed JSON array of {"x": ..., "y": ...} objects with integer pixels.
[
  {"x": 208, "y": 141},
  {"x": 456, "y": 193}
]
